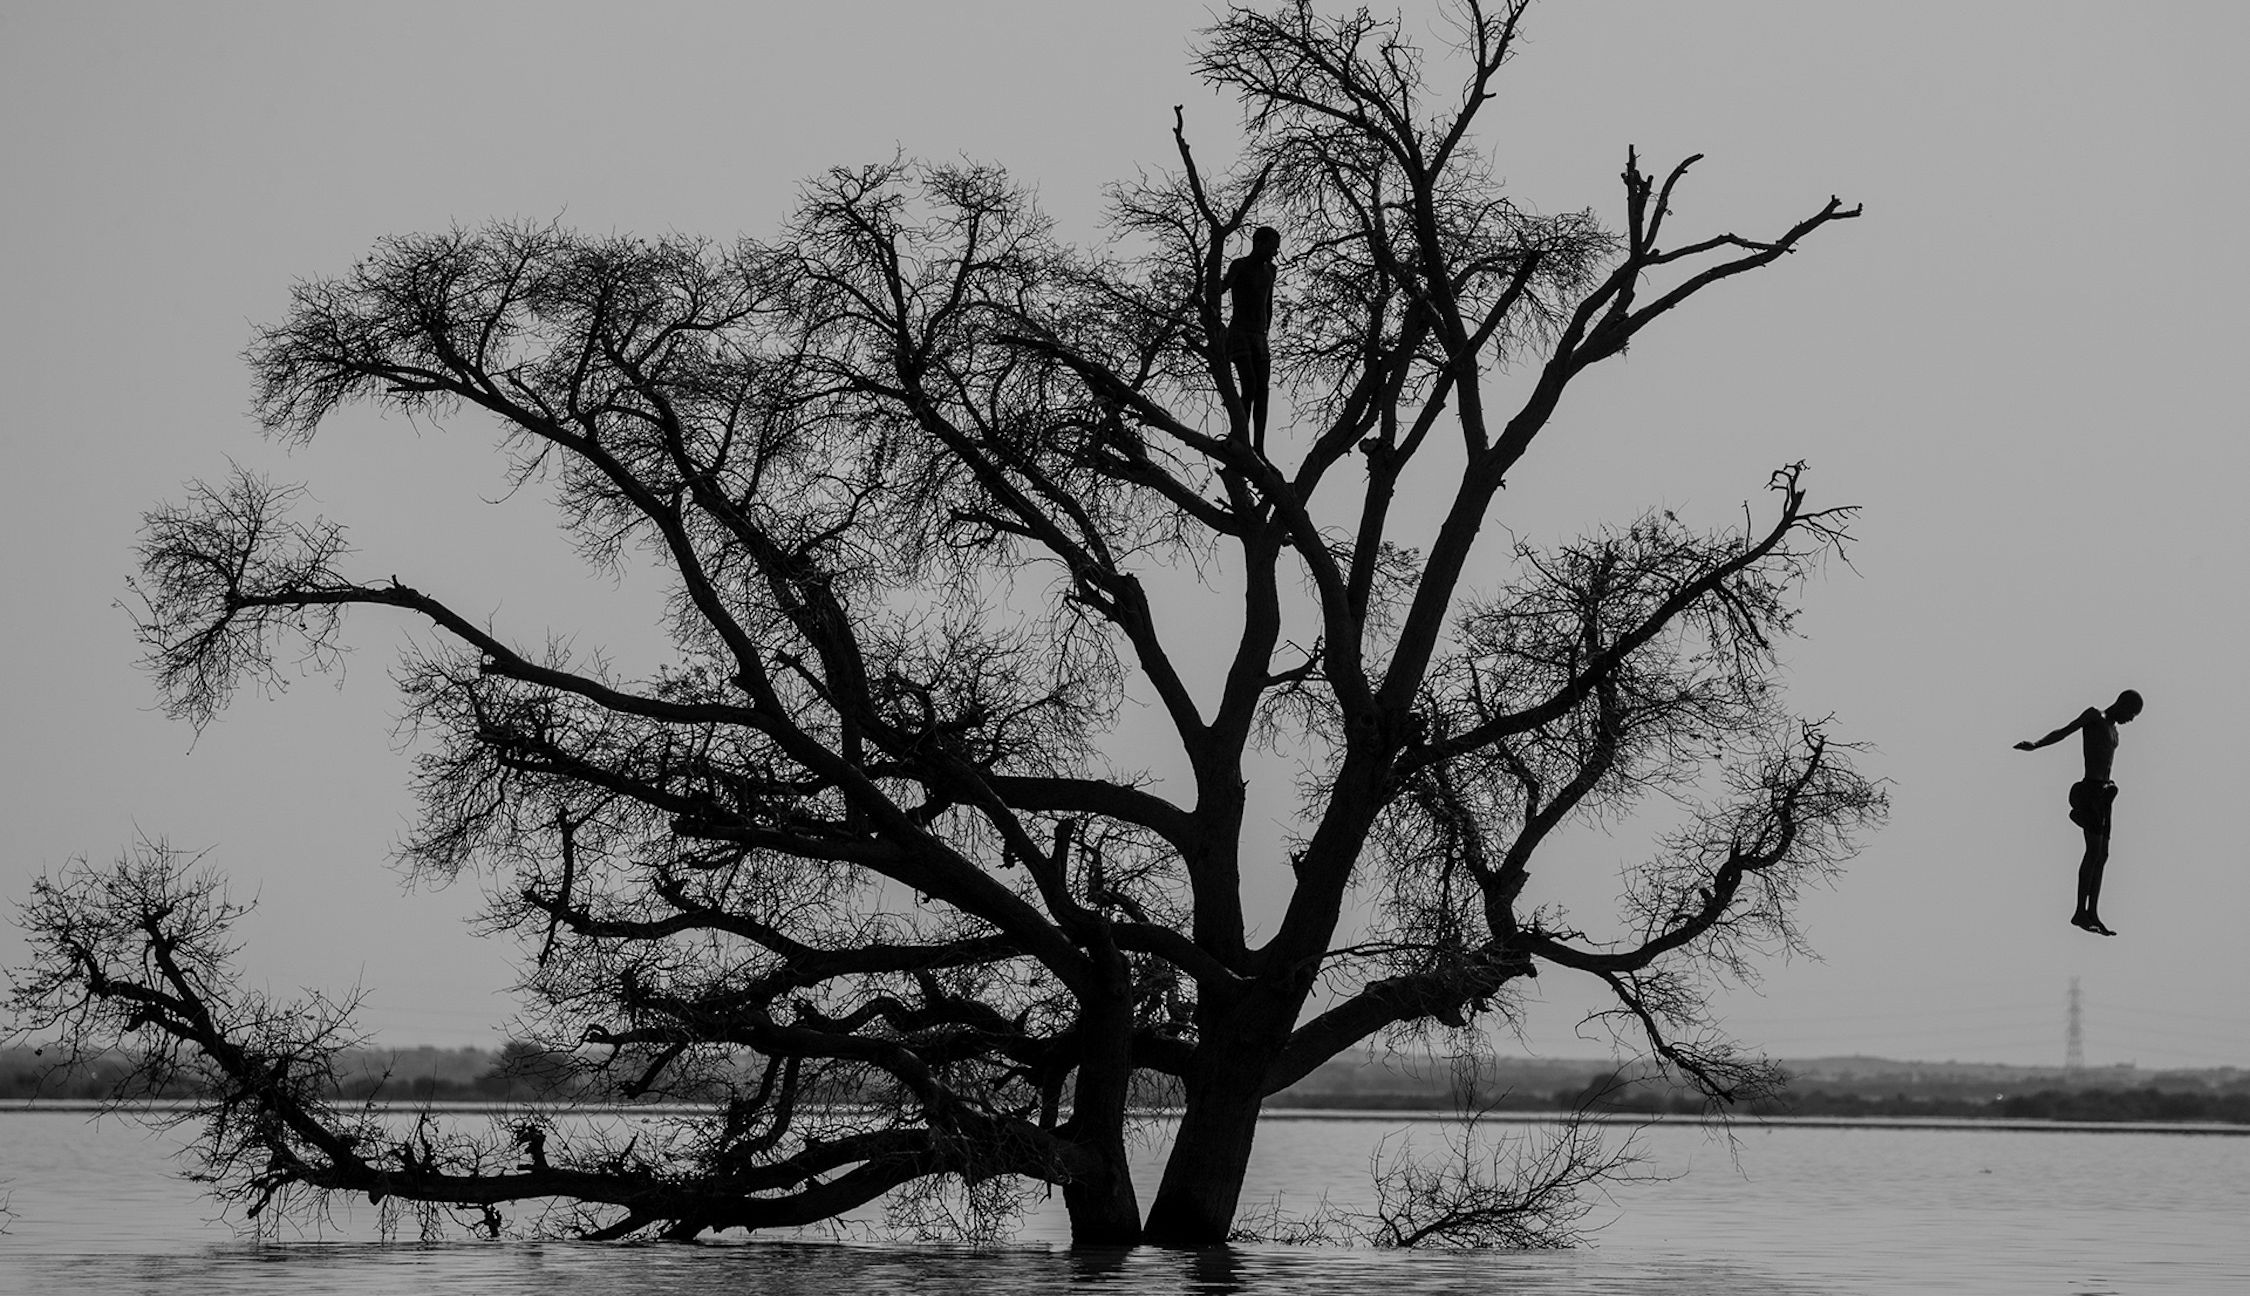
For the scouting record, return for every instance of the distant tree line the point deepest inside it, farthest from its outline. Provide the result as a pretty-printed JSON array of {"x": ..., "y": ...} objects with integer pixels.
[
  {"x": 2091, "y": 1103},
  {"x": 519, "y": 1072},
  {"x": 524, "y": 1072},
  {"x": 2187, "y": 1096},
  {"x": 2147, "y": 1103}
]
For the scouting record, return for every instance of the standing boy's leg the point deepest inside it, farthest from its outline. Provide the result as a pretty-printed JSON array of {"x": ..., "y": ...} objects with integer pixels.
[
  {"x": 1250, "y": 381},
  {"x": 1257, "y": 380}
]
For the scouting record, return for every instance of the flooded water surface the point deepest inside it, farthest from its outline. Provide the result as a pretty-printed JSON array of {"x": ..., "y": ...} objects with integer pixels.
[{"x": 99, "y": 1208}]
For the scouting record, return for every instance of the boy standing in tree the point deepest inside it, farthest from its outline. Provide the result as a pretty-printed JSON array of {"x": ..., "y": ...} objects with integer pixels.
[
  {"x": 1249, "y": 287},
  {"x": 2092, "y": 796}
]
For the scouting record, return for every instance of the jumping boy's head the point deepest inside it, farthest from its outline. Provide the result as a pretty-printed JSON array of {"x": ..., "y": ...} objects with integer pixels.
[{"x": 2127, "y": 705}]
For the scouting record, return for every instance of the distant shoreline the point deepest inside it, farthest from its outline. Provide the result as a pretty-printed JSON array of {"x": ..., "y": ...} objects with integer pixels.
[
  {"x": 1849, "y": 1092},
  {"x": 1411, "y": 1116}
]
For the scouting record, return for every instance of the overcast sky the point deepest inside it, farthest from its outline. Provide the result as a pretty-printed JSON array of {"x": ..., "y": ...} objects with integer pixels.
[{"x": 2025, "y": 362}]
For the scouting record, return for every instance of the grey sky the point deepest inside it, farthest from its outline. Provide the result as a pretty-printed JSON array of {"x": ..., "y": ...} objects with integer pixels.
[{"x": 2025, "y": 362}]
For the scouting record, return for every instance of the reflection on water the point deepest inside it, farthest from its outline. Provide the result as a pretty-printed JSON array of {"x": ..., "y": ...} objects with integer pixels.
[
  {"x": 1786, "y": 1210},
  {"x": 800, "y": 1269}
]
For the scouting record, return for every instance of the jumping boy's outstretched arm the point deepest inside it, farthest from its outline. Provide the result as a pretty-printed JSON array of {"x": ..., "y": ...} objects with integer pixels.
[{"x": 2058, "y": 735}]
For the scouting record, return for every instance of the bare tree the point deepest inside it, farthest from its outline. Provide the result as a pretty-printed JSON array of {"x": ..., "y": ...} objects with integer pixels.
[{"x": 858, "y": 859}]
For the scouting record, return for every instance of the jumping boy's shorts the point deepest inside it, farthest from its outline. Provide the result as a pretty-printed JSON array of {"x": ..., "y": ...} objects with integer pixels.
[{"x": 2090, "y": 802}]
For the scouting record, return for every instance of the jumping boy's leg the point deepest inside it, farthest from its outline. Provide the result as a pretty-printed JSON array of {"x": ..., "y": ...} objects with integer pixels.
[{"x": 2088, "y": 915}]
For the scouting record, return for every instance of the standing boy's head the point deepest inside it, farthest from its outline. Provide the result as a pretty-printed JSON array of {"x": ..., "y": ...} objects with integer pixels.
[{"x": 1265, "y": 241}]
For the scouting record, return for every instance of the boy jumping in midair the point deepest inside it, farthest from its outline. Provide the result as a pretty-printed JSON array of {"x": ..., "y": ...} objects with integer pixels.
[{"x": 2092, "y": 796}]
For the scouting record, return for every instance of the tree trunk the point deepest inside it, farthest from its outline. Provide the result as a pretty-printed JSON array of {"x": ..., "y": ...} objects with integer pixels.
[
  {"x": 1240, "y": 1037},
  {"x": 1202, "y": 1180},
  {"x": 1202, "y": 1183},
  {"x": 1104, "y": 1210}
]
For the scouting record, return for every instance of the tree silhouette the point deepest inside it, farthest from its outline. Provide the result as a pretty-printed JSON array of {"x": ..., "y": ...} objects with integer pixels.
[{"x": 917, "y": 475}]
